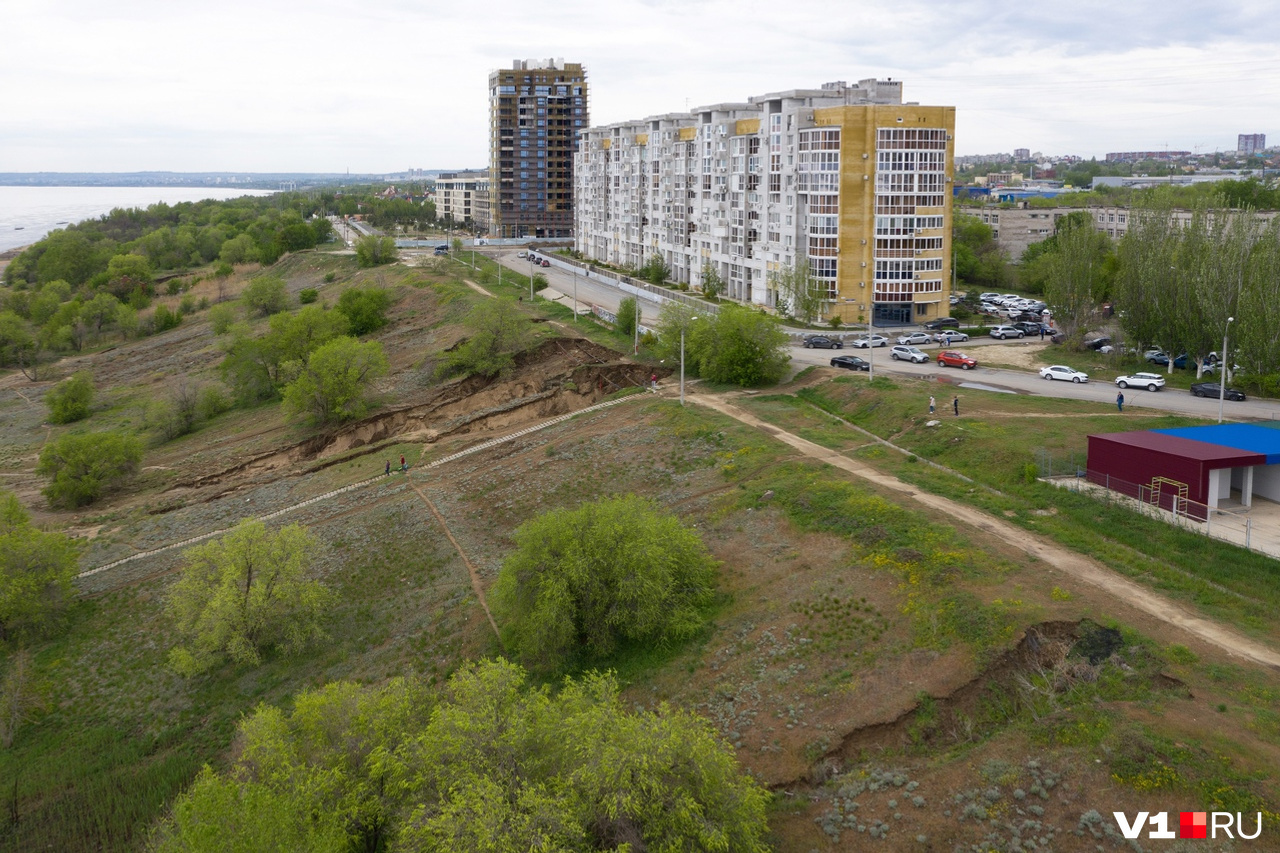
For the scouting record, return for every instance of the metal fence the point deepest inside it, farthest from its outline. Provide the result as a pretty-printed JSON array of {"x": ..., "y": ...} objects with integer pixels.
[{"x": 1167, "y": 501}]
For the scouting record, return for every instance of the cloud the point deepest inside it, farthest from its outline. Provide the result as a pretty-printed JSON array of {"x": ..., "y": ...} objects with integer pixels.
[{"x": 390, "y": 84}]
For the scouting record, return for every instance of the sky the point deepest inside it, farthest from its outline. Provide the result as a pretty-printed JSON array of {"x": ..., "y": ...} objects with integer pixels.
[{"x": 379, "y": 86}]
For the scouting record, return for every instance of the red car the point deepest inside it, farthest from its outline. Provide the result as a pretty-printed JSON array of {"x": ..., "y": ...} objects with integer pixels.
[
  {"x": 956, "y": 359},
  {"x": 545, "y": 262}
]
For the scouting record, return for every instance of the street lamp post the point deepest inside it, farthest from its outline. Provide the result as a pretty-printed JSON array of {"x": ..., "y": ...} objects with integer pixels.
[
  {"x": 530, "y": 256},
  {"x": 1222, "y": 366},
  {"x": 682, "y": 328},
  {"x": 575, "y": 294}
]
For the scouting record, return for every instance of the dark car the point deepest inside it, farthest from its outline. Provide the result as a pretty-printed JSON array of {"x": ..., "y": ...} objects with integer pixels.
[
  {"x": 821, "y": 342},
  {"x": 1163, "y": 359},
  {"x": 942, "y": 323},
  {"x": 1097, "y": 343},
  {"x": 1029, "y": 327},
  {"x": 442, "y": 250},
  {"x": 1211, "y": 389},
  {"x": 851, "y": 362}
]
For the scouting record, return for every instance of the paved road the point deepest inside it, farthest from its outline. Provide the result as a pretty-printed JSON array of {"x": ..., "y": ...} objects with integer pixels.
[{"x": 1015, "y": 381}]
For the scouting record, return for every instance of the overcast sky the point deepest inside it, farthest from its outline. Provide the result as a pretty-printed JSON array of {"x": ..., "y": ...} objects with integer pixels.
[{"x": 386, "y": 85}]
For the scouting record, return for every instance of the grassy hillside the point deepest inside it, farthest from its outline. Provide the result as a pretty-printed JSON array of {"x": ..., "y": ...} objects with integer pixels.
[{"x": 887, "y": 672}]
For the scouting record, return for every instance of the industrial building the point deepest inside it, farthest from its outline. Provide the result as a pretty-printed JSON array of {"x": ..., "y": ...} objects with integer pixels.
[
  {"x": 847, "y": 179},
  {"x": 1190, "y": 470},
  {"x": 536, "y": 110}
]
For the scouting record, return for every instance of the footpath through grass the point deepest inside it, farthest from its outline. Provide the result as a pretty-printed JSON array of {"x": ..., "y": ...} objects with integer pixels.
[{"x": 996, "y": 443}]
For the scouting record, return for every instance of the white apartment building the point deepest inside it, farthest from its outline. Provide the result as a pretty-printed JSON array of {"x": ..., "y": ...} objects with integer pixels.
[
  {"x": 847, "y": 178},
  {"x": 462, "y": 196}
]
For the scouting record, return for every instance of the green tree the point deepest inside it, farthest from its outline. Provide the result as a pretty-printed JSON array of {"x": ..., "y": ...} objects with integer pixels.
[
  {"x": 245, "y": 593},
  {"x": 19, "y": 698},
  {"x": 81, "y": 468},
  {"x": 582, "y": 582},
  {"x": 334, "y": 383},
  {"x": 240, "y": 249},
  {"x": 1079, "y": 273},
  {"x": 740, "y": 345},
  {"x": 712, "y": 284},
  {"x": 372, "y": 251},
  {"x": 488, "y": 763},
  {"x": 628, "y": 315},
  {"x": 265, "y": 295},
  {"x": 100, "y": 311},
  {"x": 365, "y": 308},
  {"x": 499, "y": 330},
  {"x": 129, "y": 274},
  {"x": 799, "y": 293},
  {"x": 36, "y": 573},
  {"x": 70, "y": 400}
]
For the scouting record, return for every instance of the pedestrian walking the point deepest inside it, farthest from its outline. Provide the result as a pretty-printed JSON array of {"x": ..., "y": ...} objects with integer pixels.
[
  {"x": 1120, "y": 401},
  {"x": 1042, "y": 331},
  {"x": 955, "y": 405},
  {"x": 403, "y": 467},
  {"x": 388, "y": 471},
  {"x": 946, "y": 339},
  {"x": 653, "y": 381},
  {"x": 931, "y": 404}
]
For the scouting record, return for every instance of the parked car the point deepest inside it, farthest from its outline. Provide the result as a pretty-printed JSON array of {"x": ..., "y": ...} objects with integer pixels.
[
  {"x": 988, "y": 296},
  {"x": 1098, "y": 343},
  {"x": 1150, "y": 381},
  {"x": 948, "y": 337},
  {"x": 914, "y": 355},
  {"x": 544, "y": 262},
  {"x": 1061, "y": 371},
  {"x": 870, "y": 341},
  {"x": 956, "y": 359},
  {"x": 1002, "y": 332},
  {"x": 915, "y": 338},
  {"x": 1162, "y": 359},
  {"x": 1211, "y": 389},
  {"x": 822, "y": 342},
  {"x": 1028, "y": 326},
  {"x": 942, "y": 323},
  {"x": 851, "y": 362},
  {"x": 442, "y": 250}
]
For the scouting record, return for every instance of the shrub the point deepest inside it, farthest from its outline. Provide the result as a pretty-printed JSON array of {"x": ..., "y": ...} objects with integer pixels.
[
  {"x": 365, "y": 309},
  {"x": 628, "y": 315},
  {"x": 221, "y": 317},
  {"x": 163, "y": 319},
  {"x": 308, "y": 295},
  {"x": 187, "y": 305},
  {"x": 539, "y": 282},
  {"x": 374, "y": 251},
  {"x": 36, "y": 573},
  {"x": 330, "y": 277},
  {"x": 334, "y": 383},
  {"x": 81, "y": 468},
  {"x": 265, "y": 295},
  {"x": 70, "y": 399},
  {"x": 583, "y": 582}
]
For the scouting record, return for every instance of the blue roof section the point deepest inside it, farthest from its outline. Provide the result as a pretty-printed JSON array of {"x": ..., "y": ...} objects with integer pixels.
[{"x": 1254, "y": 438}]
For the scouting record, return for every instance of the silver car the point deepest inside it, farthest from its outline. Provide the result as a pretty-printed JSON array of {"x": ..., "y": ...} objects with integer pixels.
[{"x": 914, "y": 355}]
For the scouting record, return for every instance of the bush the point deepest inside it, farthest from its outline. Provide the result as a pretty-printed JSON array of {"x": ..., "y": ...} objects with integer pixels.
[
  {"x": 70, "y": 400},
  {"x": 499, "y": 331},
  {"x": 81, "y": 468},
  {"x": 187, "y": 305},
  {"x": 36, "y": 574},
  {"x": 365, "y": 309},
  {"x": 739, "y": 345},
  {"x": 334, "y": 382},
  {"x": 330, "y": 277},
  {"x": 163, "y": 319},
  {"x": 582, "y": 583},
  {"x": 221, "y": 317},
  {"x": 265, "y": 295},
  {"x": 539, "y": 282},
  {"x": 308, "y": 295}
]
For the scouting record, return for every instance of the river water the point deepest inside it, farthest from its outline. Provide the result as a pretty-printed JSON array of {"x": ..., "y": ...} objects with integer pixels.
[{"x": 29, "y": 213}]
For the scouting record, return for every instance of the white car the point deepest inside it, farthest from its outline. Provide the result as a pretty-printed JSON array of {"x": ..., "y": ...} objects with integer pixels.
[
  {"x": 522, "y": 254},
  {"x": 911, "y": 354},
  {"x": 1150, "y": 381},
  {"x": 950, "y": 336},
  {"x": 915, "y": 338},
  {"x": 873, "y": 341},
  {"x": 1061, "y": 371}
]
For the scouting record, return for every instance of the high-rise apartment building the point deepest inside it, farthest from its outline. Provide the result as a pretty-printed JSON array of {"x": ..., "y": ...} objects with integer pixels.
[
  {"x": 846, "y": 178},
  {"x": 1251, "y": 143},
  {"x": 536, "y": 109}
]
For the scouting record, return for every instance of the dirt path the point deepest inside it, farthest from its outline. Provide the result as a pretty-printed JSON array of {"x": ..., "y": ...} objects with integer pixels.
[
  {"x": 476, "y": 585},
  {"x": 1080, "y": 567},
  {"x": 478, "y": 289}
]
